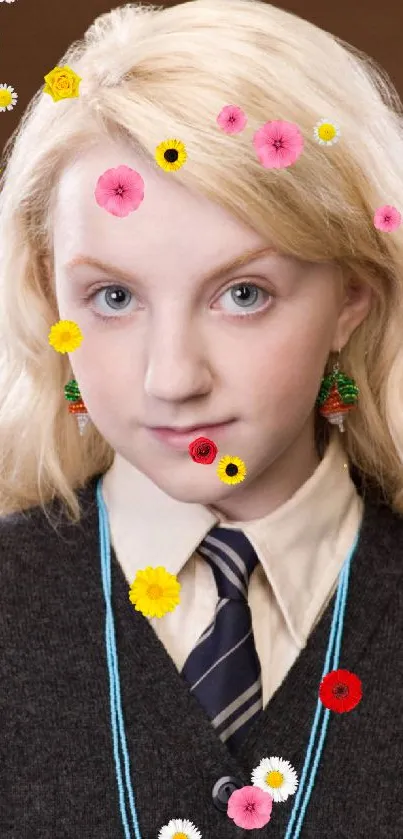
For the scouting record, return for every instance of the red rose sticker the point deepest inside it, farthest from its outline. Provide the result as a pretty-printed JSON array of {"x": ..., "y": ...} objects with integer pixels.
[
  {"x": 340, "y": 691},
  {"x": 203, "y": 450}
]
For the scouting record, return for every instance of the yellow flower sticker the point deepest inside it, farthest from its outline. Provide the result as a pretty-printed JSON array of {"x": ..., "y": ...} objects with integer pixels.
[
  {"x": 231, "y": 470},
  {"x": 171, "y": 155},
  {"x": 154, "y": 592},
  {"x": 65, "y": 336},
  {"x": 62, "y": 83}
]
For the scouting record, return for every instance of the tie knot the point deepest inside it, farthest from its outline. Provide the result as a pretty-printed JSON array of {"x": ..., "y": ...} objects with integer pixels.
[{"x": 232, "y": 560}]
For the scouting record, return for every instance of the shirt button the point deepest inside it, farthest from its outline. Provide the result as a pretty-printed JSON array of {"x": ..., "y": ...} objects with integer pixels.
[{"x": 223, "y": 789}]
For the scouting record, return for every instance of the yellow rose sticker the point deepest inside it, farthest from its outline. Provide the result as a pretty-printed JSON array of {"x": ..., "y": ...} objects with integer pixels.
[{"x": 62, "y": 83}]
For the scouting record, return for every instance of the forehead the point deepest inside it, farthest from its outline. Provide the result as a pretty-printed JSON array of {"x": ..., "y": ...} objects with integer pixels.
[{"x": 170, "y": 220}]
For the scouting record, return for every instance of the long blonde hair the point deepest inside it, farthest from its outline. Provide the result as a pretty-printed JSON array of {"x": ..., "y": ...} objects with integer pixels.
[{"x": 149, "y": 74}]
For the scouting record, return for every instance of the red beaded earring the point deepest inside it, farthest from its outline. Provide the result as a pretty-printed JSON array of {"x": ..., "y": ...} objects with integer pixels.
[
  {"x": 76, "y": 405},
  {"x": 337, "y": 396}
]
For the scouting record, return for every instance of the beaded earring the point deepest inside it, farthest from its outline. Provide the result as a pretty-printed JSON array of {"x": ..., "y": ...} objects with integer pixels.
[
  {"x": 76, "y": 405},
  {"x": 337, "y": 396}
]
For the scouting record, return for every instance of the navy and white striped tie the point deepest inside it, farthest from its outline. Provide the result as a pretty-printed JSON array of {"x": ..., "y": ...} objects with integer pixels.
[{"x": 223, "y": 669}]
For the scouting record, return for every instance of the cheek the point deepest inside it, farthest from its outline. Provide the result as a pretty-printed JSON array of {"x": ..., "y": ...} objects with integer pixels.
[
  {"x": 104, "y": 376},
  {"x": 281, "y": 373}
]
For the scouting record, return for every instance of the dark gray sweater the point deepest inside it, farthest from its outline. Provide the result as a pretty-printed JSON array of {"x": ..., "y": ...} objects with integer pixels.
[{"x": 57, "y": 771}]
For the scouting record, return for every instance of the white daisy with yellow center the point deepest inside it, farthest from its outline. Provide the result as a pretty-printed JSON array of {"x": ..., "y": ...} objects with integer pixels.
[
  {"x": 8, "y": 97},
  {"x": 275, "y": 776},
  {"x": 326, "y": 132},
  {"x": 179, "y": 829}
]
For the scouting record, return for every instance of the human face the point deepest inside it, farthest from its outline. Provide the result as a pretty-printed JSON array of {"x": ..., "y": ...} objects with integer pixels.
[{"x": 181, "y": 345}]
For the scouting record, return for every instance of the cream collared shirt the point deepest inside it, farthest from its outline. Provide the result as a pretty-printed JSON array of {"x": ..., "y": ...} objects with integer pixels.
[{"x": 301, "y": 546}]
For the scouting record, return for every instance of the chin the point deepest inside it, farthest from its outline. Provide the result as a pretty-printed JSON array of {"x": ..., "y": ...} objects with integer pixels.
[{"x": 191, "y": 492}]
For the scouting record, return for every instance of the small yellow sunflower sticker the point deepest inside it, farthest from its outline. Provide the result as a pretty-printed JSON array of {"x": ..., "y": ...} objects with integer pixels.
[
  {"x": 326, "y": 133},
  {"x": 231, "y": 470},
  {"x": 154, "y": 592},
  {"x": 65, "y": 336},
  {"x": 171, "y": 155},
  {"x": 62, "y": 83}
]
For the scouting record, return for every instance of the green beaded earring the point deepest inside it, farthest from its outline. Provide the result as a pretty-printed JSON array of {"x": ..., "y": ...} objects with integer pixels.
[
  {"x": 337, "y": 396},
  {"x": 76, "y": 405}
]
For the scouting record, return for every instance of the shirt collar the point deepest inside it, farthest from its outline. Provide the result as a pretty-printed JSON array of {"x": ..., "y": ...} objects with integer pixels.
[{"x": 301, "y": 545}]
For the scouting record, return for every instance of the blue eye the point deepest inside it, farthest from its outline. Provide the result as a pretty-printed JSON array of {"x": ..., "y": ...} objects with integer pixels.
[
  {"x": 247, "y": 296},
  {"x": 116, "y": 298}
]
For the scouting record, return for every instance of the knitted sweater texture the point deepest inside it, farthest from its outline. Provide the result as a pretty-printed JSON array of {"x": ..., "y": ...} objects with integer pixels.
[{"x": 57, "y": 771}]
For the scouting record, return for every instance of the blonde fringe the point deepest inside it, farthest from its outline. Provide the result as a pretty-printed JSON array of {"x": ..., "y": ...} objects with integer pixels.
[{"x": 149, "y": 73}]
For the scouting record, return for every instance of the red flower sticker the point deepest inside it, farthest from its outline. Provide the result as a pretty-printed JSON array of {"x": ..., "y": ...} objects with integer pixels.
[
  {"x": 203, "y": 450},
  {"x": 340, "y": 691}
]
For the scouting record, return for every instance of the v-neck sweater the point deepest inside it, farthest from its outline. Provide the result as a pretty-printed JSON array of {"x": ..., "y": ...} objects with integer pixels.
[
  {"x": 57, "y": 771},
  {"x": 300, "y": 556}
]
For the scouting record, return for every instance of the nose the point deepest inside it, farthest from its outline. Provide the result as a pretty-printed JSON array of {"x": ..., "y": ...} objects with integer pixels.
[{"x": 177, "y": 366}]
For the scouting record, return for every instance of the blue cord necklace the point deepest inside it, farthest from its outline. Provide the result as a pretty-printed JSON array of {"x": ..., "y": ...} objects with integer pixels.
[{"x": 334, "y": 643}]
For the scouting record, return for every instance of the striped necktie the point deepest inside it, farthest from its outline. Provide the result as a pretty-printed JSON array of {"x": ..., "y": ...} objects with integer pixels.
[{"x": 223, "y": 669}]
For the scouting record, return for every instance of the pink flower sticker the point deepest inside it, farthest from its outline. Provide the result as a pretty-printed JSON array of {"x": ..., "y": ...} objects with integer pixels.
[
  {"x": 387, "y": 219},
  {"x": 120, "y": 191},
  {"x": 250, "y": 807},
  {"x": 278, "y": 144},
  {"x": 232, "y": 119}
]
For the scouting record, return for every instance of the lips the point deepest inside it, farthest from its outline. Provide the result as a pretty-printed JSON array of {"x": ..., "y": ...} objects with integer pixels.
[
  {"x": 188, "y": 428},
  {"x": 180, "y": 439}
]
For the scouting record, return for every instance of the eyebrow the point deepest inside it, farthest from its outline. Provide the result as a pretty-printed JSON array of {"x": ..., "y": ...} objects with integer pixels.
[{"x": 231, "y": 265}]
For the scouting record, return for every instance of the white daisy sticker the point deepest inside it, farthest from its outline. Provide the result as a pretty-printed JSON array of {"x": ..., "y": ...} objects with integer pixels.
[
  {"x": 275, "y": 776},
  {"x": 8, "y": 97},
  {"x": 326, "y": 132},
  {"x": 179, "y": 827}
]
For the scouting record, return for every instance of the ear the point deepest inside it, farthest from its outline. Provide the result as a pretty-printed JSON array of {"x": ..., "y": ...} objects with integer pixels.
[{"x": 355, "y": 307}]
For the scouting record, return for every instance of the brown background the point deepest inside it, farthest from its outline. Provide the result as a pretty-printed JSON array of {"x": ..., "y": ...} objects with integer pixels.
[{"x": 35, "y": 33}]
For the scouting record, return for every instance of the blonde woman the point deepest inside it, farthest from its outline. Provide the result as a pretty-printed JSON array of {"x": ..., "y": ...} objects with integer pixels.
[{"x": 227, "y": 303}]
